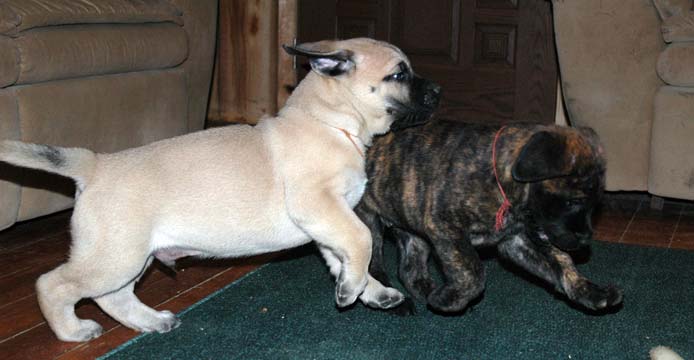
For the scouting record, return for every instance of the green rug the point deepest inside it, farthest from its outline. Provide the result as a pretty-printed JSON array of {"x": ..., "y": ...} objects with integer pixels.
[{"x": 285, "y": 310}]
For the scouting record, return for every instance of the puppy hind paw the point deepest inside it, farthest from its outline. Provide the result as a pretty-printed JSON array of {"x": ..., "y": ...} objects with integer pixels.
[
  {"x": 170, "y": 322},
  {"x": 88, "y": 330},
  {"x": 156, "y": 321}
]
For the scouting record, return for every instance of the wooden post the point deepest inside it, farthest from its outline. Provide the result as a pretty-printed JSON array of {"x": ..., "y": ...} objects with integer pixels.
[
  {"x": 287, "y": 20},
  {"x": 251, "y": 70}
]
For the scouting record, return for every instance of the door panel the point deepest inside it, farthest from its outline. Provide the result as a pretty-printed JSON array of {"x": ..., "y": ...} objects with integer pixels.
[{"x": 495, "y": 59}]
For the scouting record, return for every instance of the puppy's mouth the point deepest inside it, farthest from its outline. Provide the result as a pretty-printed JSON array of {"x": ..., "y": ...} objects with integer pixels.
[
  {"x": 405, "y": 115},
  {"x": 565, "y": 241},
  {"x": 568, "y": 243},
  {"x": 398, "y": 108}
]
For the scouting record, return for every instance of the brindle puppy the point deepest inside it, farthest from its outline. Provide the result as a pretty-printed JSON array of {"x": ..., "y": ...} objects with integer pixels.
[{"x": 435, "y": 187}]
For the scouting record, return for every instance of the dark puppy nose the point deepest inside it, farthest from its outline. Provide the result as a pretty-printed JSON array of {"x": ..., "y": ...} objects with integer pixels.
[
  {"x": 433, "y": 93},
  {"x": 435, "y": 88},
  {"x": 585, "y": 236}
]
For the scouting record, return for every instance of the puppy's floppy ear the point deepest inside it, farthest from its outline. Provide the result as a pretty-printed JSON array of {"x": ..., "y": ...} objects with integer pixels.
[
  {"x": 593, "y": 139},
  {"x": 323, "y": 61},
  {"x": 541, "y": 158}
]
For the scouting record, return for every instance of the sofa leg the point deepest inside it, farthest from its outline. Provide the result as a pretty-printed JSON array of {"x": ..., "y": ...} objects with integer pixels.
[{"x": 657, "y": 202}]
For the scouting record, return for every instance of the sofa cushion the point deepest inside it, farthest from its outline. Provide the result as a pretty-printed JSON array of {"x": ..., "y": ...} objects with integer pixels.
[
  {"x": 607, "y": 57},
  {"x": 60, "y": 52},
  {"x": 9, "y": 66},
  {"x": 103, "y": 113},
  {"x": 20, "y": 15},
  {"x": 679, "y": 28},
  {"x": 669, "y": 8},
  {"x": 671, "y": 160},
  {"x": 9, "y": 129},
  {"x": 675, "y": 64}
]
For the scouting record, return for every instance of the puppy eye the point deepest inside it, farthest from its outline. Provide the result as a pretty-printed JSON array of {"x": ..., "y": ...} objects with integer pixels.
[
  {"x": 575, "y": 201},
  {"x": 400, "y": 76}
]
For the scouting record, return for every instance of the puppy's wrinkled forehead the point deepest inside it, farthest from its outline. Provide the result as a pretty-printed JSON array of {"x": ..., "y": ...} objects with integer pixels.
[
  {"x": 368, "y": 53},
  {"x": 377, "y": 54}
]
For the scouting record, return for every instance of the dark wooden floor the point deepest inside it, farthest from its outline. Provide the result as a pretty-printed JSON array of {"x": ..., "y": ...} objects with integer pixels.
[{"x": 32, "y": 248}]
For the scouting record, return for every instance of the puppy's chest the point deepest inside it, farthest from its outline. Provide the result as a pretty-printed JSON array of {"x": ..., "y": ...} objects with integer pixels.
[{"x": 353, "y": 185}]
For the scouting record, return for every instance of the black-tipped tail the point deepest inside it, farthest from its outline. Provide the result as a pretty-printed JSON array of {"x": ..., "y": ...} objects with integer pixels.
[{"x": 76, "y": 163}]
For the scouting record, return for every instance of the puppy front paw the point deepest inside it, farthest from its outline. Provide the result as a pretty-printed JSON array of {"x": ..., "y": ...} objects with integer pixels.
[
  {"x": 596, "y": 297},
  {"x": 420, "y": 288},
  {"x": 380, "y": 297},
  {"x": 346, "y": 292}
]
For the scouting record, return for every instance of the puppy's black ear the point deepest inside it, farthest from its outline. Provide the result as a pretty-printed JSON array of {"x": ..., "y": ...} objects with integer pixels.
[
  {"x": 541, "y": 158},
  {"x": 328, "y": 63}
]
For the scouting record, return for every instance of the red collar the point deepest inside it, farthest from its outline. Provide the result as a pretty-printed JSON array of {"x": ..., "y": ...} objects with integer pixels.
[
  {"x": 350, "y": 137},
  {"x": 506, "y": 205}
]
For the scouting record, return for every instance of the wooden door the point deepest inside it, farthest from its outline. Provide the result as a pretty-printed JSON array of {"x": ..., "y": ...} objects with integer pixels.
[{"x": 495, "y": 59}]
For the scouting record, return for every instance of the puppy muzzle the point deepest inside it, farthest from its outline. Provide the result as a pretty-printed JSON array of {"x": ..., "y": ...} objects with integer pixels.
[
  {"x": 432, "y": 95},
  {"x": 571, "y": 242},
  {"x": 424, "y": 99}
]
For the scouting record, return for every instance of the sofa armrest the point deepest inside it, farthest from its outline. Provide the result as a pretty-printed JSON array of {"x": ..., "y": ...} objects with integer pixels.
[
  {"x": 200, "y": 23},
  {"x": 9, "y": 191}
]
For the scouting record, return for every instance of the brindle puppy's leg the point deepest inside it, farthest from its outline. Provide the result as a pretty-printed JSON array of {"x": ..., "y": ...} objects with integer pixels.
[
  {"x": 378, "y": 292},
  {"x": 463, "y": 273},
  {"x": 557, "y": 268},
  {"x": 377, "y": 266},
  {"x": 414, "y": 264}
]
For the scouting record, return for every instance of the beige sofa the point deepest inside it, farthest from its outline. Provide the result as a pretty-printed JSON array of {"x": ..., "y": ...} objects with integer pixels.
[
  {"x": 620, "y": 77},
  {"x": 101, "y": 74},
  {"x": 672, "y": 139}
]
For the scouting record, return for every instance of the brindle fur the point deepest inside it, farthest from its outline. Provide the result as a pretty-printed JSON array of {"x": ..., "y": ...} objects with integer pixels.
[{"x": 434, "y": 187}]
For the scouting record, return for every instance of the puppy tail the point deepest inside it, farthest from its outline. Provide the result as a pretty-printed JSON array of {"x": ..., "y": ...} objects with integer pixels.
[{"x": 76, "y": 163}]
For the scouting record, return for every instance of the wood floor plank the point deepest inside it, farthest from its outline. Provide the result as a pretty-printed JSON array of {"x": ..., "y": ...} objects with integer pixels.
[
  {"x": 35, "y": 343},
  {"x": 48, "y": 249},
  {"x": 684, "y": 235},
  {"x": 24, "y": 234},
  {"x": 22, "y": 315},
  {"x": 21, "y": 283}
]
